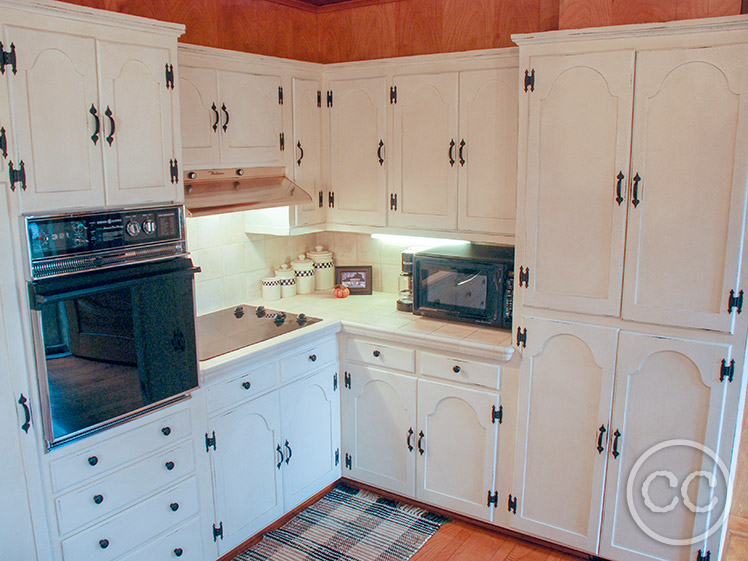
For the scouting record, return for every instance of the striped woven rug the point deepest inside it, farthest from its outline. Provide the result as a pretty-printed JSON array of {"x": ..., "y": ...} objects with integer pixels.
[{"x": 348, "y": 525}]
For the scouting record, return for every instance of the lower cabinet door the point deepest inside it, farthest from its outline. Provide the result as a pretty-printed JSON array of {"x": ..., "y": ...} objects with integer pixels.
[
  {"x": 456, "y": 447},
  {"x": 379, "y": 420},
  {"x": 565, "y": 392},
  {"x": 247, "y": 469},
  {"x": 311, "y": 436},
  {"x": 665, "y": 492}
]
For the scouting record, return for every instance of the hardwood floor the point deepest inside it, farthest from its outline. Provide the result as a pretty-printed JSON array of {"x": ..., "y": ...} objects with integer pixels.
[{"x": 461, "y": 541}]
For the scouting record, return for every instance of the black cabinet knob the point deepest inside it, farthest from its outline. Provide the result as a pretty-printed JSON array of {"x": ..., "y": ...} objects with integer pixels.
[
  {"x": 103, "y": 544},
  {"x": 178, "y": 552},
  {"x": 169, "y": 465},
  {"x": 246, "y": 385},
  {"x": 456, "y": 369},
  {"x": 166, "y": 431},
  {"x": 93, "y": 460},
  {"x": 98, "y": 499},
  {"x": 312, "y": 357},
  {"x": 174, "y": 507},
  {"x": 376, "y": 353}
]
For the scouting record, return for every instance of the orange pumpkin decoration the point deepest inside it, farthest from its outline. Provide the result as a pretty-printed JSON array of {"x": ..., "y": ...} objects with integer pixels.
[{"x": 342, "y": 291}]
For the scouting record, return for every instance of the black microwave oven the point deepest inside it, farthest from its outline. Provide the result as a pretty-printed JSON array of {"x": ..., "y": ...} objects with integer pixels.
[{"x": 471, "y": 283}]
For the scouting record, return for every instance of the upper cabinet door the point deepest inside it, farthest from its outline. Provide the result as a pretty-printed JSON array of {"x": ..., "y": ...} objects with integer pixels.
[
  {"x": 136, "y": 124},
  {"x": 358, "y": 155},
  {"x": 487, "y": 151},
  {"x": 578, "y": 141},
  {"x": 53, "y": 96},
  {"x": 687, "y": 206},
  {"x": 200, "y": 116},
  {"x": 250, "y": 118},
  {"x": 307, "y": 143},
  {"x": 425, "y": 152}
]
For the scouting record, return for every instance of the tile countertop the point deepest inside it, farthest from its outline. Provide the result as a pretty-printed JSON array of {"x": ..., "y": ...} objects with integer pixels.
[{"x": 372, "y": 315}]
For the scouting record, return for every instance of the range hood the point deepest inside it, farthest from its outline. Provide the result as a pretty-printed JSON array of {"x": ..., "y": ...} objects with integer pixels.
[{"x": 217, "y": 191}]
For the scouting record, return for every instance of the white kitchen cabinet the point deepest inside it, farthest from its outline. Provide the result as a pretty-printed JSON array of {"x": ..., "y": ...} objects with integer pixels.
[
  {"x": 566, "y": 388},
  {"x": 383, "y": 457},
  {"x": 307, "y": 143},
  {"x": 358, "y": 152},
  {"x": 93, "y": 119},
  {"x": 456, "y": 442},
  {"x": 425, "y": 152}
]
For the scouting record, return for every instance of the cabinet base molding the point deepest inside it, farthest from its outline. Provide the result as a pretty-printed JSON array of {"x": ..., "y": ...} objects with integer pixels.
[{"x": 278, "y": 523}]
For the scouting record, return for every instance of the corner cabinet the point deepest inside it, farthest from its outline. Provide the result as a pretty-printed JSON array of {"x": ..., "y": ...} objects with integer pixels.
[{"x": 94, "y": 112}]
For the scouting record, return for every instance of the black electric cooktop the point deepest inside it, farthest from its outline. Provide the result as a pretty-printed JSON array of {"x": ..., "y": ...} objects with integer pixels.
[{"x": 231, "y": 329}]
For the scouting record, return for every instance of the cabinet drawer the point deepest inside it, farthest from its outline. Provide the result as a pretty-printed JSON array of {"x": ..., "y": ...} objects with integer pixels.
[
  {"x": 113, "y": 452},
  {"x": 137, "y": 525},
  {"x": 245, "y": 386},
  {"x": 123, "y": 487},
  {"x": 460, "y": 370},
  {"x": 377, "y": 354},
  {"x": 183, "y": 543},
  {"x": 312, "y": 357}
]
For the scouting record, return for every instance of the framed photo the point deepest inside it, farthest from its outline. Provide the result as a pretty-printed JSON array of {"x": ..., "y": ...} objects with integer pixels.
[{"x": 356, "y": 278}]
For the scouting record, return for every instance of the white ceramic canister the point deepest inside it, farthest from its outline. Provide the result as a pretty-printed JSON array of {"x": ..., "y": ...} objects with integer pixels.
[
  {"x": 287, "y": 279},
  {"x": 271, "y": 288},
  {"x": 324, "y": 268},
  {"x": 304, "y": 270}
]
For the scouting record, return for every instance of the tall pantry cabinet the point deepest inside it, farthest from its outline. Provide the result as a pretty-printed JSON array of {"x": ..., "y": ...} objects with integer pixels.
[{"x": 633, "y": 154}]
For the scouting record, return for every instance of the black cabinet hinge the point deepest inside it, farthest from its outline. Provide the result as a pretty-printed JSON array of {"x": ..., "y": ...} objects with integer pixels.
[
  {"x": 337, "y": 456},
  {"x": 282, "y": 141},
  {"x": 280, "y": 95},
  {"x": 329, "y": 98},
  {"x": 335, "y": 382},
  {"x": 210, "y": 441},
  {"x": 169, "y": 76},
  {"x": 512, "y": 505},
  {"x": 7, "y": 58},
  {"x": 331, "y": 199},
  {"x": 17, "y": 175},
  {"x": 530, "y": 80},
  {"x": 522, "y": 337},
  {"x": 321, "y": 199},
  {"x": 349, "y": 461},
  {"x": 347, "y": 380},
  {"x": 3, "y": 142},
  {"x": 493, "y": 499},
  {"x": 217, "y": 532},
  {"x": 701, "y": 557},
  {"x": 393, "y": 201},
  {"x": 174, "y": 170},
  {"x": 727, "y": 371},
  {"x": 393, "y": 94},
  {"x": 497, "y": 414},
  {"x": 524, "y": 276},
  {"x": 735, "y": 301},
  {"x": 319, "y": 98}
]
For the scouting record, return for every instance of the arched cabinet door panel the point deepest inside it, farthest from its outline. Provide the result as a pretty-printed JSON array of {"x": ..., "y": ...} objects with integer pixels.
[{"x": 200, "y": 115}]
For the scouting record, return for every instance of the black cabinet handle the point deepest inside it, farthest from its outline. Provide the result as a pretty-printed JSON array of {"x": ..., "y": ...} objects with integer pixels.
[
  {"x": 376, "y": 354},
  {"x": 109, "y": 114},
  {"x": 313, "y": 358},
  {"x": 456, "y": 369},
  {"x": 379, "y": 152},
  {"x": 635, "y": 200},
  {"x": 23, "y": 402},
  {"x": 246, "y": 385},
  {"x": 301, "y": 156},
  {"x": 420, "y": 442},
  {"x": 407, "y": 440},
  {"x": 98, "y": 499},
  {"x": 166, "y": 431},
  {"x": 280, "y": 453},
  {"x": 617, "y": 435},
  {"x": 103, "y": 544},
  {"x": 169, "y": 466},
  {"x": 619, "y": 187},
  {"x": 600, "y": 437},
  {"x": 174, "y": 507},
  {"x": 225, "y": 112},
  {"x": 93, "y": 460},
  {"x": 97, "y": 123},
  {"x": 462, "y": 147},
  {"x": 290, "y": 452},
  {"x": 218, "y": 117},
  {"x": 451, "y": 155},
  {"x": 178, "y": 552}
]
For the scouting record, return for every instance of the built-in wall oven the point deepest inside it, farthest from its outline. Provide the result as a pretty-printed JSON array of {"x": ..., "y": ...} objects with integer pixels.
[{"x": 111, "y": 297}]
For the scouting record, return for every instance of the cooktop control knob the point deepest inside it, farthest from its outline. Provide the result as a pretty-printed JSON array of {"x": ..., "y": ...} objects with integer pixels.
[
  {"x": 280, "y": 318},
  {"x": 132, "y": 228},
  {"x": 149, "y": 226},
  {"x": 260, "y": 311},
  {"x": 301, "y": 319}
]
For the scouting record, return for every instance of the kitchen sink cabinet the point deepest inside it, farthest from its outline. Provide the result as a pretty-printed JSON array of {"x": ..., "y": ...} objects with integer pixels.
[{"x": 93, "y": 113}]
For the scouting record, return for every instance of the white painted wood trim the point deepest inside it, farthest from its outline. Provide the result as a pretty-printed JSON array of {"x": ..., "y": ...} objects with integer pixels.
[{"x": 197, "y": 55}]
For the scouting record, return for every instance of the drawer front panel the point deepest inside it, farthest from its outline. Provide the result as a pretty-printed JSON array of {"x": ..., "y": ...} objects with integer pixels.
[
  {"x": 126, "y": 447},
  {"x": 383, "y": 356},
  {"x": 311, "y": 358},
  {"x": 460, "y": 370},
  {"x": 123, "y": 487},
  {"x": 248, "y": 385},
  {"x": 183, "y": 543},
  {"x": 135, "y": 526}
]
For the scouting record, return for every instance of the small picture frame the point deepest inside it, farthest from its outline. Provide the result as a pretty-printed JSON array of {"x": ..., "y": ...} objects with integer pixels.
[{"x": 357, "y": 278}]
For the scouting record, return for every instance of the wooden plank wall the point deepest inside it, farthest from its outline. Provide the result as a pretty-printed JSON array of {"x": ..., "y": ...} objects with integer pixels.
[{"x": 369, "y": 29}]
